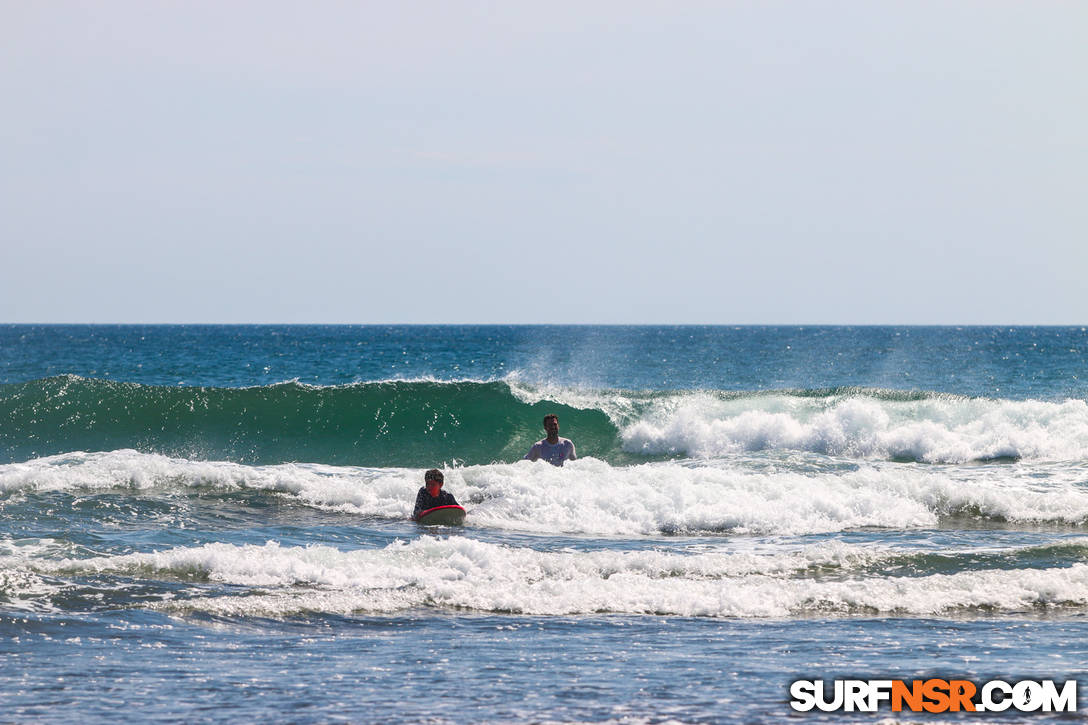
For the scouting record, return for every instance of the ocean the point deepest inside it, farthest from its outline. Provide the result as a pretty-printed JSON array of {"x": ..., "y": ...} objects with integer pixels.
[{"x": 211, "y": 523}]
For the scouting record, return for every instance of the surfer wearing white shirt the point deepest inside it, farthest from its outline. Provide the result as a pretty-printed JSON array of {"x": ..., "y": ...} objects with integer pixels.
[{"x": 553, "y": 449}]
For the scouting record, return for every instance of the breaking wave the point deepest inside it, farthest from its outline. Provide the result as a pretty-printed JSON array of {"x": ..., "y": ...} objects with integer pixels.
[{"x": 420, "y": 422}]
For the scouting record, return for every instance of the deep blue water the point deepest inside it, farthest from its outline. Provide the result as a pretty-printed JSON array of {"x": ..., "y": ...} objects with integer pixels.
[
  {"x": 1013, "y": 362},
  {"x": 210, "y": 523}
]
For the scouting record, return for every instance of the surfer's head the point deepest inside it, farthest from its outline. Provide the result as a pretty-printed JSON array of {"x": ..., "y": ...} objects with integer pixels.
[
  {"x": 551, "y": 424},
  {"x": 433, "y": 480}
]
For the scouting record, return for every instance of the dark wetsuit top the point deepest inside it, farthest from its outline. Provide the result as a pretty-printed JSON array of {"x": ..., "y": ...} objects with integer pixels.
[{"x": 425, "y": 501}]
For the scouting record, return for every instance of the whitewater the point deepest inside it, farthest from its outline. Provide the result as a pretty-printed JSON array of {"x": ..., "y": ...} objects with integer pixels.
[{"x": 217, "y": 514}]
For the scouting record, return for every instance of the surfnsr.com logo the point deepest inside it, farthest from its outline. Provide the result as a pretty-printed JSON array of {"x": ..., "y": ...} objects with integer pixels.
[{"x": 934, "y": 695}]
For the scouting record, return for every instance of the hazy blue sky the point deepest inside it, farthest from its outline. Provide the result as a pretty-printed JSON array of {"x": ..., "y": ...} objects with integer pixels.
[{"x": 654, "y": 162}]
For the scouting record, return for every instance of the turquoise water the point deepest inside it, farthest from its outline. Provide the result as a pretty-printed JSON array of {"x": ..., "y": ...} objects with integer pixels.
[{"x": 209, "y": 523}]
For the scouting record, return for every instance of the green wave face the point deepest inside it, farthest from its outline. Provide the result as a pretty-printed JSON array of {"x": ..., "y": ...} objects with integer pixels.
[
  {"x": 425, "y": 423},
  {"x": 409, "y": 423}
]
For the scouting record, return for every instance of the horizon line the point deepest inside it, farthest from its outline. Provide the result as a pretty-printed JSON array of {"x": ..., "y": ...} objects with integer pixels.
[{"x": 545, "y": 324}]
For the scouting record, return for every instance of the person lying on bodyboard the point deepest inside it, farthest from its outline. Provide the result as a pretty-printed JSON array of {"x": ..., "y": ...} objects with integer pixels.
[{"x": 432, "y": 497}]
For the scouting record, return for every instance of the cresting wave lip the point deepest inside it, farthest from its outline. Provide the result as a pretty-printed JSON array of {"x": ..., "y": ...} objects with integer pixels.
[
  {"x": 661, "y": 498},
  {"x": 461, "y": 573},
  {"x": 420, "y": 423}
]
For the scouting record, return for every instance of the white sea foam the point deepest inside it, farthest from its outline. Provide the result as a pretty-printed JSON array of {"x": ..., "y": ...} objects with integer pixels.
[
  {"x": 23, "y": 589},
  {"x": 379, "y": 492},
  {"x": 589, "y": 496},
  {"x": 856, "y": 423},
  {"x": 934, "y": 429},
  {"x": 461, "y": 573}
]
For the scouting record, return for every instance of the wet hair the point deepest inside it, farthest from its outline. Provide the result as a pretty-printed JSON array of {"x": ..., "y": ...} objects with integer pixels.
[
  {"x": 434, "y": 475},
  {"x": 551, "y": 416}
]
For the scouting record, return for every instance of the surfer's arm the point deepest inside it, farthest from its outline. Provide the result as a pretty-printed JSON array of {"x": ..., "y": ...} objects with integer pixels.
[
  {"x": 533, "y": 454},
  {"x": 420, "y": 503},
  {"x": 572, "y": 455}
]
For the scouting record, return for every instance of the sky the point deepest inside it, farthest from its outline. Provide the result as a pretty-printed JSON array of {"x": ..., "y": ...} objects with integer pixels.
[{"x": 238, "y": 161}]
